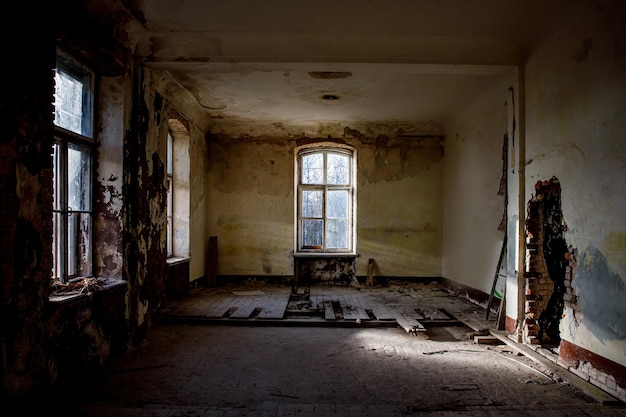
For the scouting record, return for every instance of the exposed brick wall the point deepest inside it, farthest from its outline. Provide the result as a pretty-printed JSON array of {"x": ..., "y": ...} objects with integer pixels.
[
  {"x": 547, "y": 265},
  {"x": 538, "y": 284}
]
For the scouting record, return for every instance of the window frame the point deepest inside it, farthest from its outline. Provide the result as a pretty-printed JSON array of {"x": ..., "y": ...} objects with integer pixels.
[
  {"x": 64, "y": 139},
  {"x": 325, "y": 187}
]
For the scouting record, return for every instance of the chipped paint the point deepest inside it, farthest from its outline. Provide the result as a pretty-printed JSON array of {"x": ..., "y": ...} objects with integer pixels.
[
  {"x": 615, "y": 248},
  {"x": 595, "y": 281}
]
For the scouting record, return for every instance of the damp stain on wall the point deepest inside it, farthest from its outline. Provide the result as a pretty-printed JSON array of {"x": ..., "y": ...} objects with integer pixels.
[
  {"x": 615, "y": 248},
  {"x": 595, "y": 281}
]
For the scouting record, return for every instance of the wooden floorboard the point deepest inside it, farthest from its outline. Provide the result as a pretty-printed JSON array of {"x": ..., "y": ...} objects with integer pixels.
[
  {"x": 275, "y": 306},
  {"x": 359, "y": 303},
  {"x": 245, "y": 306},
  {"x": 348, "y": 310},
  {"x": 382, "y": 312},
  {"x": 219, "y": 308}
]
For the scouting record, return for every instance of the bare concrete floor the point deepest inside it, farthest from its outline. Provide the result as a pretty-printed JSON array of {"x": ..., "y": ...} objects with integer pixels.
[{"x": 202, "y": 368}]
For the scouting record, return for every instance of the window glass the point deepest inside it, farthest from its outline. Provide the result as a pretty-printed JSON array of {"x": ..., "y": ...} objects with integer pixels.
[
  {"x": 313, "y": 169},
  {"x": 312, "y": 233},
  {"x": 338, "y": 167},
  {"x": 337, "y": 234},
  {"x": 337, "y": 204},
  {"x": 72, "y": 97},
  {"x": 78, "y": 177},
  {"x": 312, "y": 203}
]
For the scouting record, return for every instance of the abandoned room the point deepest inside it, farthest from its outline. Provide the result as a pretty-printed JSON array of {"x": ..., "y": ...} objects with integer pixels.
[{"x": 199, "y": 198}]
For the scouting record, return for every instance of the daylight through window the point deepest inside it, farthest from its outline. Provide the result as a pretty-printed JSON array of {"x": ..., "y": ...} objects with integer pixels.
[
  {"x": 325, "y": 205},
  {"x": 72, "y": 171}
]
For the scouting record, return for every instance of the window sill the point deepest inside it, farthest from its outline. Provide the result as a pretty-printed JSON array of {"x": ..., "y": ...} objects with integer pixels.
[
  {"x": 325, "y": 255},
  {"x": 175, "y": 260},
  {"x": 85, "y": 288}
]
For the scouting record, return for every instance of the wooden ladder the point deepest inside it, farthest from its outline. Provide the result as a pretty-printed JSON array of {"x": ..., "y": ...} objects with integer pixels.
[{"x": 495, "y": 280}]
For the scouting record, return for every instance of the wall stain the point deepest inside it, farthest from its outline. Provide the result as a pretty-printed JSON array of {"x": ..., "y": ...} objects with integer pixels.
[
  {"x": 595, "y": 282},
  {"x": 615, "y": 244},
  {"x": 266, "y": 263}
]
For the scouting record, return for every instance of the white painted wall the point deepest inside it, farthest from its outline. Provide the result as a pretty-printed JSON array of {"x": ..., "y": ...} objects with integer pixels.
[
  {"x": 473, "y": 169},
  {"x": 576, "y": 131}
]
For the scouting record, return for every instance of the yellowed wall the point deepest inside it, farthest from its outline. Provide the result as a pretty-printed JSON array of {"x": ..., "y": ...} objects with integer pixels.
[
  {"x": 473, "y": 170},
  {"x": 576, "y": 102},
  {"x": 399, "y": 205}
]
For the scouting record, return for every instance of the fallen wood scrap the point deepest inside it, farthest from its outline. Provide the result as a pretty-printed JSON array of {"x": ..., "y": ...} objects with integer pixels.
[
  {"x": 411, "y": 326},
  {"x": 85, "y": 285},
  {"x": 487, "y": 340}
]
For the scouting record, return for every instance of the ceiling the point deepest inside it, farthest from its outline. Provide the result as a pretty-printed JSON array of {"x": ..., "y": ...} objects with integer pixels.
[{"x": 278, "y": 67}]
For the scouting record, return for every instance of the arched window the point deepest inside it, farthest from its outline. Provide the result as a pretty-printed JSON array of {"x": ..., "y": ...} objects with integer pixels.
[
  {"x": 326, "y": 196},
  {"x": 178, "y": 182}
]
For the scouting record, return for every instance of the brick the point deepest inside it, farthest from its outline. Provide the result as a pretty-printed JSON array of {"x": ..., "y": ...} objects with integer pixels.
[{"x": 579, "y": 373}]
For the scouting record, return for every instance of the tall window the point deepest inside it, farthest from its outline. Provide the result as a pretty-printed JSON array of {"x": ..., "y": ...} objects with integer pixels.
[
  {"x": 326, "y": 195},
  {"x": 72, "y": 170},
  {"x": 170, "y": 194}
]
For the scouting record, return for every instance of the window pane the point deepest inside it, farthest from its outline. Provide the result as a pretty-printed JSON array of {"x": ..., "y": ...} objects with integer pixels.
[
  {"x": 312, "y": 203},
  {"x": 338, "y": 169},
  {"x": 312, "y": 233},
  {"x": 337, "y": 204},
  {"x": 313, "y": 169},
  {"x": 79, "y": 244},
  {"x": 72, "y": 97},
  {"x": 337, "y": 234},
  {"x": 78, "y": 178},
  {"x": 68, "y": 98}
]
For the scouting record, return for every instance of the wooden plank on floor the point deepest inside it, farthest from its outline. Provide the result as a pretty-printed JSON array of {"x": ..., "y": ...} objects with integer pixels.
[
  {"x": 347, "y": 307},
  {"x": 245, "y": 306},
  {"x": 357, "y": 302},
  {"x": 382, "y": 312},
  {"x": 218, "y": 308},
  {"x": 410, "y": 324},
  {"x": 275, "y": 305}
]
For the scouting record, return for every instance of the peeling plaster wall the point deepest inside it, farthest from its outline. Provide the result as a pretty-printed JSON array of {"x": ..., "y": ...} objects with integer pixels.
[
  {"x": 576, "y": 101},
  {"x": 399, "y": 193},
  {"x": 177, "y": 102},
  {"x": 145, "y": 196},
  {"x": 473, "y": 170},
  {"x": 108, "y": 259}
]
